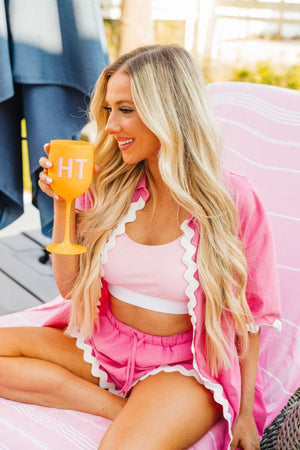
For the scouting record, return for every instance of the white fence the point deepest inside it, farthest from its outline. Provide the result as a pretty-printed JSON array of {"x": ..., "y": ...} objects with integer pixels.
[{"x": 201, "y": 17}]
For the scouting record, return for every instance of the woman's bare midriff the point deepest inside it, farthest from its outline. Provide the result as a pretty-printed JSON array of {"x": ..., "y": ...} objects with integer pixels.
[{"x": 150, "y": 322}]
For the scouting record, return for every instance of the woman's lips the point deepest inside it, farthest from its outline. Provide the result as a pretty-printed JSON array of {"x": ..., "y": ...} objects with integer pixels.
[{"x": 124, "y": 144}]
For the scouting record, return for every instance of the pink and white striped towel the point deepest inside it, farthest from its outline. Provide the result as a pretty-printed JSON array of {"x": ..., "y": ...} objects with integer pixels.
[{"x": 261, "y": 130}]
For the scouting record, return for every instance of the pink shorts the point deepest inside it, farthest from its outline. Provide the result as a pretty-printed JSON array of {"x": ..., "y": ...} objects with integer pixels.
[{"x": 121, "y": 355}]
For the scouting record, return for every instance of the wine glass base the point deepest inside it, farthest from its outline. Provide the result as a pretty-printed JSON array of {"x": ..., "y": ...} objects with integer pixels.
[{"x": 66, "y": 248}]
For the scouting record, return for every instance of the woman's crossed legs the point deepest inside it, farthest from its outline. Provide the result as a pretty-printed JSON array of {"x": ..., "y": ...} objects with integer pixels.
[
  {"x": 165, "y": 411},
  {"x": 43, "y": 366}
]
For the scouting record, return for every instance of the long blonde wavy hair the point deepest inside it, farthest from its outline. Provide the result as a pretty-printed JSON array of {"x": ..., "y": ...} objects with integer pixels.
[{"x": 169, "y": 95}]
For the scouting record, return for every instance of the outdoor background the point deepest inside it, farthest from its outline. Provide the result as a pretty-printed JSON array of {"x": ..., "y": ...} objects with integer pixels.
[
  {"x": 245, "y": 40},
  {"x": 236, "y": 40}
]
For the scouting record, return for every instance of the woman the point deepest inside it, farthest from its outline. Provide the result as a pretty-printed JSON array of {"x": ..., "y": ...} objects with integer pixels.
[{"x": 166, "y": 322}]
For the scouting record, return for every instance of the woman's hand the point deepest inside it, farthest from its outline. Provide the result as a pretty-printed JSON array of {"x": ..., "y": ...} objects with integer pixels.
[
  {"x": 244, "y": 430},
  {"x": 45, "y": 181},
  {"x": 245, "y": 434}
]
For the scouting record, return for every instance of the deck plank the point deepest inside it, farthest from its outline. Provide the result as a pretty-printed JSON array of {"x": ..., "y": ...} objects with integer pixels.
[
  {"x": 22, "y": 271},
  {"x": 16, "y": 298},
  {"x": 37, "y": 236}
]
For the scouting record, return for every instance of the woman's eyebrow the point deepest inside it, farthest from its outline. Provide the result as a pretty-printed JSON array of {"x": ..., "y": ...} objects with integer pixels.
[{"x": 119, "y": 102}]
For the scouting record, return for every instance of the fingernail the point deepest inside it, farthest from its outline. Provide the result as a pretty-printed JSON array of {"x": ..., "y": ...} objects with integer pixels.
[
  {"x": 56, "y": 197},
  {"x": 48, "y": 164},
  {"x": 48, "y": 180}
]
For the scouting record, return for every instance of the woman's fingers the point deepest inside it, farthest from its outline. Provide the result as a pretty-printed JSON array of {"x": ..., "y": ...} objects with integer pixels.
[
  {"x": 47, "y": 148},
  {"x": 44, "y": 179},
  {"x": 45, "y": 184},
  {"x": 45, "y": 187},
  {"x": 45, "y": 163},
  {"x": 95, "y": 168}
]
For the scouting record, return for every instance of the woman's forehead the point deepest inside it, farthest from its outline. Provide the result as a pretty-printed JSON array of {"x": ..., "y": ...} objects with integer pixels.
[{"x": 119, "y": 88}]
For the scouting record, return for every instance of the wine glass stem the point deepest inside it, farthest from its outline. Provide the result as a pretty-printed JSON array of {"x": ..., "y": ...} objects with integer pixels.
[{"x": 67, "y": 226}]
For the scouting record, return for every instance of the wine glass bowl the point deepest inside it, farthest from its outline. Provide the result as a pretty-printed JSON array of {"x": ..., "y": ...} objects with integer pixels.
[{"x": 71, "y": 172}]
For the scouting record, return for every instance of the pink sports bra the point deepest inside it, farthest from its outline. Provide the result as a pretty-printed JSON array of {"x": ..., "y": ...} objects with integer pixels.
[{"x": 148, "y": 276}]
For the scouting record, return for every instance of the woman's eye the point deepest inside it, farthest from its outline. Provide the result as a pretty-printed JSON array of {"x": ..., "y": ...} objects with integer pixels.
[
  {"x": 123, "y": 110},
  {"x": 126, "y": 110},
  {"x": 107, "y": 108}
]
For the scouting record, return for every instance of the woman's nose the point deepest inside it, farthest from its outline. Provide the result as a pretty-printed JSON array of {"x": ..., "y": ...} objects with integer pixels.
[{"x": 112, "y": 125}]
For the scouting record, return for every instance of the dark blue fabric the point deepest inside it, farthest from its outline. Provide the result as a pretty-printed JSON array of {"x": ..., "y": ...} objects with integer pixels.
[
  {"x": 54, "y": 112},
  {"x": 80, "y": 59},
  {"x": 47, "y": 79},
  {"x": 6, "y": 76},
  {"x": 11, "y": 184}
]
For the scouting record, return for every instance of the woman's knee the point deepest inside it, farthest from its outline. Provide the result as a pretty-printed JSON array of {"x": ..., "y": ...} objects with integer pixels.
[
  {"x": 10, "y": 342},
  {"x": 48, "y": 344},
  {"x": 27, "y": 341},
  {"x": 164, "y": 411}
]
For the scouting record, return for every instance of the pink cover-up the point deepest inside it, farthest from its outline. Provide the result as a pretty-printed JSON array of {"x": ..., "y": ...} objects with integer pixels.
[
  {"x": 263, "y": 295},
  {"x": 31, "y": 427}
]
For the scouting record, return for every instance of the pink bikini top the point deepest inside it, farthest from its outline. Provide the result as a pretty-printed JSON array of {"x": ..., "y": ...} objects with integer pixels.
[{"x": 148, "y": 276}]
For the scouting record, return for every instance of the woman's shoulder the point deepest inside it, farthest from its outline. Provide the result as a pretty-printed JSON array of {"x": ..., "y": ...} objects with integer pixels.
[
  {"x": 242, "y": 191},
  {"x": 251, "y": 211},
  {"x": 237, "y": 184}
]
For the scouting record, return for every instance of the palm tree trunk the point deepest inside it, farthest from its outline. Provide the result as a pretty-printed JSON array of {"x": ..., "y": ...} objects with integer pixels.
[{"x": 136, "y": 24}]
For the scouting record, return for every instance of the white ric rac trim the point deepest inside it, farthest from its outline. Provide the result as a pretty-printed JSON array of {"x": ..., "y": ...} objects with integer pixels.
[
  {"x": 169, "y": 369},
  {"x": 95, "y": 370},
  {"x": 255, "y": 328},
  {"x": 192, "y": 268},
  {"x": 120, "y": 228},
  {"x": 147, "y": 301}
]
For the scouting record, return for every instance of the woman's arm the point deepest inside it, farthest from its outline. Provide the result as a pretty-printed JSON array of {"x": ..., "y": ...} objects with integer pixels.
[
  {"x": 244, "y": 430},
  {"x": 65, "y": 267}
]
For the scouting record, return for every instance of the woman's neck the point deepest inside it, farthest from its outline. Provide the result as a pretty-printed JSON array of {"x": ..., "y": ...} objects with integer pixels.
[
  {"x": 163, "y": 200},
  {"x": 161, "y": 188}
]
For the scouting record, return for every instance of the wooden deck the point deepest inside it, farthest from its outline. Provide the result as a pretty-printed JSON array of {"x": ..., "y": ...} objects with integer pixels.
[{"x": 24, "y": 280}]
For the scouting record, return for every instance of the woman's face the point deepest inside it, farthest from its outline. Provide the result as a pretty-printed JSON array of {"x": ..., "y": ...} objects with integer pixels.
[{"x": 135, "y": 140}]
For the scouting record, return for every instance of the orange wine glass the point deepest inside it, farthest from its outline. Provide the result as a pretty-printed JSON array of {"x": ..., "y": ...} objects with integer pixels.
[{"x": 72, "y": 172}]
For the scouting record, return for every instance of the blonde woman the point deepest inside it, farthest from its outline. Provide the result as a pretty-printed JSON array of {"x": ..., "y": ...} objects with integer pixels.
[{"x": 162, "y": 331}]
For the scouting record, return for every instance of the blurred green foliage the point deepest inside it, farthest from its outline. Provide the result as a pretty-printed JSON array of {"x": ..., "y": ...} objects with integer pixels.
[
  {"x": 112, "y": 32},
  {"x": 169, "y": 32},
  {"x": 265, "y": 73}
]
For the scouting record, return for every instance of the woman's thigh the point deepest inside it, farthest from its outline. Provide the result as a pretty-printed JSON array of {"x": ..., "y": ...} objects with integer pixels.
[
  {"x": 48, "y": 344},
  {"x": 165, "y": 411}
]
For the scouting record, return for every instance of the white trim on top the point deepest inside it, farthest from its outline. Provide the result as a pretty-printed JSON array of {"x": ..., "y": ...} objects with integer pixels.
[{"x": 147, "y": 301}]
